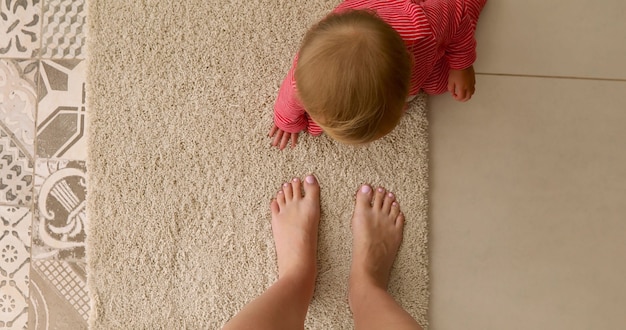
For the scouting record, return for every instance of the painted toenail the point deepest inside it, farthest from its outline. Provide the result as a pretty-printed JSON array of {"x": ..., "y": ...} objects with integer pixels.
[
  {"x": 380, "y": 189},
  {"x": 280, "y": 191},
  {"x": 285, "y": 185},
  {"x": 394, "y": 204},
  {"x": 310, "y": 179},
  {"x": 390, "y": 195},
  {"x": 365, "y": 189},
  {"x": 296, "y": 179}
]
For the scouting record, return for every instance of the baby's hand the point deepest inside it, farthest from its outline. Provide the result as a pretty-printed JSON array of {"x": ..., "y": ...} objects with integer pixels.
[
  {"x": 281, "y": 138},
  {"x": 461, "y": 83}
]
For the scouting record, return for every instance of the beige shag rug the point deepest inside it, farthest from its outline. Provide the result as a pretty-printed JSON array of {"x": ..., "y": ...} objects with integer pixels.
[{"x": 181, "y": 170}]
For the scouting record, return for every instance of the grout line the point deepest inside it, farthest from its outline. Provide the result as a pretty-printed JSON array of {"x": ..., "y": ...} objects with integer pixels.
[
  {"x": 41, "y": 12},
  {"x": 550, "y": 77},
  {"x": 38, "y": 76},
  {"x": 9, "y": 58},
  {"x": 7, "y": 204}
]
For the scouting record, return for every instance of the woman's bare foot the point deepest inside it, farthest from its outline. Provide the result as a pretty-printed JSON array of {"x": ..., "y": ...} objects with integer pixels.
[
  {"x": 295, "y": 220},
  {"x": 285, "y": 303},
  {"x": 377, "y": 225}
]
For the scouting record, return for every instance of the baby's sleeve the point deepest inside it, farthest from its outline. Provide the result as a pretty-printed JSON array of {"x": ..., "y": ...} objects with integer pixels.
[
  {"x": 289, "y": 114},
  {"x": 461, "y": 50}
]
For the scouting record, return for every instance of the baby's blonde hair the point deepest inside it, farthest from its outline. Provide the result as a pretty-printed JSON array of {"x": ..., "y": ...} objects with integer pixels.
[{"x": 353, "y": 76}]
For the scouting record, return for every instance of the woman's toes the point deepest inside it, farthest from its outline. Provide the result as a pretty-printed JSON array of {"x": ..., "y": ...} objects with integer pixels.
[
  {"x": 280, "y": 198},
  {"x": 400, "y": 221},
  {"x": 379, "y": 197},
  {"x": 274, "y": 206},
  {"x": 311, "y": 187},
  {"x": 389, "y": 198},
  {"x": 364, "y": 196},
  {"x": 288, "y": 191},
  {"x": 296, "y": 188},
  {"x": 395, "y": 210}
]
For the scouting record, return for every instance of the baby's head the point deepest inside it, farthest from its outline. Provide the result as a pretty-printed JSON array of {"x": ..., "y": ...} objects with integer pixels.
[{"x": 353, "y": 76}]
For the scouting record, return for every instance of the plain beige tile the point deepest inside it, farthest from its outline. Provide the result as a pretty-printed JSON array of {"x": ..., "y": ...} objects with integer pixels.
[
  {"x": 528, "y": 206},
  {"x": 563, "y": 38}
]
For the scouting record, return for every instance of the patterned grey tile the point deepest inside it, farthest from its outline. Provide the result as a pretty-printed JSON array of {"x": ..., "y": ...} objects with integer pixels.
[
  {"x": 18, "y": 100},
  {"x": 60, "y": 221},
  {"x": 58, "y": 295},
  {"x": 16, "y": 170},
  {"x": 61, "y": 118},
  {"x": 20, "y": 28},
  {"x": 64, "y": 29},
  {"x": 18, "y": 103},
  {"x": 15, "y": 238},
  {"x": 28, "y": 69},
  {"x": 59, "y": 298}
]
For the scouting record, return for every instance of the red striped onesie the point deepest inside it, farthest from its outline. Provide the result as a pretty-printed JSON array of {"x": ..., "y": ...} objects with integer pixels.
[{"x": 438, "y": 33}]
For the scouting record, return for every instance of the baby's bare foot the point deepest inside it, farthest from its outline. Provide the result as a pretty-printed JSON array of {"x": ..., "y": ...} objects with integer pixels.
[
  {"x": 377, "y": 233},
  {"x": 295, "y": 220}
]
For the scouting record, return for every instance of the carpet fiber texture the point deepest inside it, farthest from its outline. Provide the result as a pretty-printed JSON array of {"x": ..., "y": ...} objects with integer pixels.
[{"x": 180, "y": 95}]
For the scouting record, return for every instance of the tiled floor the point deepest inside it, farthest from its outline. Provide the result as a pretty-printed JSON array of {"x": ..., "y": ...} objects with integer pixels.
[
  {"x": 42, "y": 165},
  {"x": 528, "y": 189},
  {"x": 528, "y": 179}
]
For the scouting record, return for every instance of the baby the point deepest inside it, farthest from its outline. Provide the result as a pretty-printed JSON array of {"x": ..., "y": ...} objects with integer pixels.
[{"x": 357, "y": 68}]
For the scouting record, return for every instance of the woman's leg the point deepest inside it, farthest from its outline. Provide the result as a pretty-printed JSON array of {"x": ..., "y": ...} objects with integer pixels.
[
  {"x": 295, "y": 220},
  {"x": 377, "y": 226}
]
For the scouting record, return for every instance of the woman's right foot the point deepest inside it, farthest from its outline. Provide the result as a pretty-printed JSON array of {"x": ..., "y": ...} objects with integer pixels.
[
  {"x": 295, "y": 219},
  {"x": 377, "y": 225}
]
